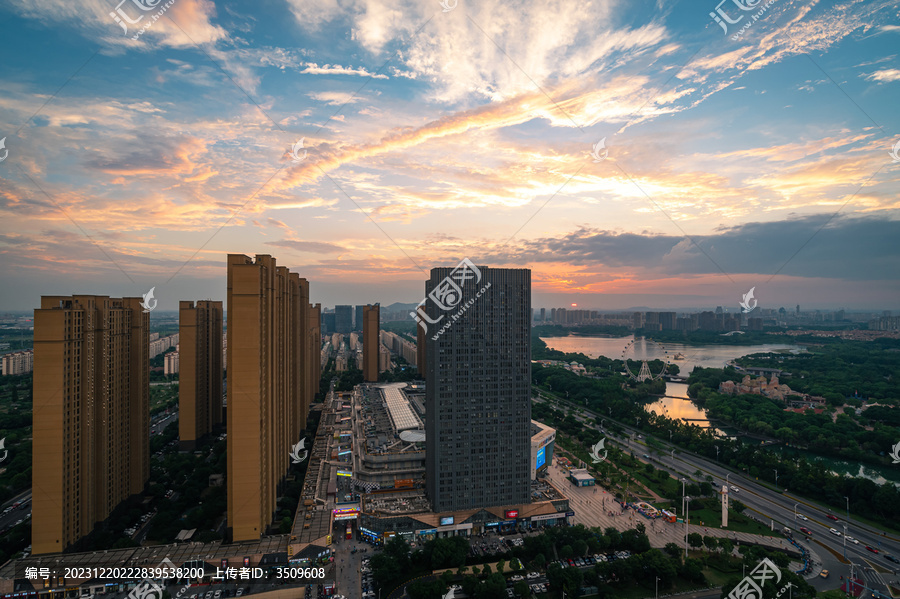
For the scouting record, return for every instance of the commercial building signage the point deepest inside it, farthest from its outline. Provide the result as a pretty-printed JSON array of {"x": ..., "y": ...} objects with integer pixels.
[
  {"x": 512, "y": 513},
  {"x": 547, "y": 517},
  {"x": 344, "y": 473},
  {"x": 570, "y": 513}
]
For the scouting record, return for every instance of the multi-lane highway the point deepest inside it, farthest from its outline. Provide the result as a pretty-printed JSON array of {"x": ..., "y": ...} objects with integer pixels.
[{"x": 777, "y": 508}]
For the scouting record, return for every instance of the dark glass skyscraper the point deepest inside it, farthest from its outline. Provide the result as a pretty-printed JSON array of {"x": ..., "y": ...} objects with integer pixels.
[
  {"x": 358, "y": 319},
  {"x": 478, "y": 373},
  {"x": 343, "y": 319}
]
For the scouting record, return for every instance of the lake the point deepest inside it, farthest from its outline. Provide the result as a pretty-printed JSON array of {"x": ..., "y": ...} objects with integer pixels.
[{"x": 705, "y": 356}]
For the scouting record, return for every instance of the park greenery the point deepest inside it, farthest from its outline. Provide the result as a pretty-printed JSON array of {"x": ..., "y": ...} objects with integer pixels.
[
  {"x": 428, "y": 571},
  {"x": 610, "y": 395}
]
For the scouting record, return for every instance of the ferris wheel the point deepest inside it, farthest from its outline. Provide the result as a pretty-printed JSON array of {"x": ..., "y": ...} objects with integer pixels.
[{"x": 645, "y": 350}]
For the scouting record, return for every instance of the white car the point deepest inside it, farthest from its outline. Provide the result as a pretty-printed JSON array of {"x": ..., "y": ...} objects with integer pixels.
[
  {"x": 834, "y": 532},
  {"x": 735, "y": 489},
  {"x": 852, "y": 540},
  {"x": 802, "y": 517}
]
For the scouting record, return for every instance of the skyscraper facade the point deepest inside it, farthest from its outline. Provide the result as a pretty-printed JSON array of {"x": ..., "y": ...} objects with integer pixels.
[
  {"x": 371, "y": 342},
  {"x": 91, "y": 414},
  {"x": 328, "y": 323},
  {"x": 200, "y": 371},
  {"x": 343, "y": 319},
  {"x": 421, "y": 346},
  {"x": 267, "y": 326},
  {"x": 478, "y": 404},
  {"x": 358, "y": 318}
]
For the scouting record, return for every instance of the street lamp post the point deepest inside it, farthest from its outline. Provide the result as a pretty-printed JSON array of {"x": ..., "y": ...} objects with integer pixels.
[
  {"x": 673, "y": 454},
  {"x": 847, "y": 499},
  {"x": 687, "y": 514},
  {"x": 845, "y": 541},
  {"x": 795, "y": 510},
  {"x": 717, "y": 453},
  {"x": 726, "y": 477},
  {"x": 776, "y": 478}
]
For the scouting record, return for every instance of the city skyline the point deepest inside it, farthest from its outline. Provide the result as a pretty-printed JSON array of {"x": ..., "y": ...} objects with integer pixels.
[{"x": 430, "y": 136}]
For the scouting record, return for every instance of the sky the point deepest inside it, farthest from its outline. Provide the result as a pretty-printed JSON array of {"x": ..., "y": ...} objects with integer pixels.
[{"x": 659, "y": 154}]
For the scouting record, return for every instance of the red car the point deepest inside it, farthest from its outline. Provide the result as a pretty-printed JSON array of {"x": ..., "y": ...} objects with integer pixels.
[
  {"x": 872, "y": 549},
  {"x": 831, "y": 517},
  {"x": 805, "y": 531}
]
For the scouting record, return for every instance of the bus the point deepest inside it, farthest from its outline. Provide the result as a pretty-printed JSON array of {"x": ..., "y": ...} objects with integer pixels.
[{"x": 349, "y": 532}]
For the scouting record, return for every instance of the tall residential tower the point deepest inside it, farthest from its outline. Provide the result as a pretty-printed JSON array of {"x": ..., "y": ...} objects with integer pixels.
[
  {"x": 91, "y": 414},
  {"x": 200, "y": 371},
  {"x": 371, "y": 342},
  {"x": 268, "y": 328}
]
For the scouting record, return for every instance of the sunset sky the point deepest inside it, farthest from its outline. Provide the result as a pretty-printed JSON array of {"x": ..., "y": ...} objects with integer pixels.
[{"x": 434, "y": 135}]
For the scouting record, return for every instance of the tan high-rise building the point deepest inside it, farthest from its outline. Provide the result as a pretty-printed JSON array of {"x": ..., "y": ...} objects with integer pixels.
[
  {"x": 371, "y": 342},
  {"x": 200, "y": 371},
  {"x": 268, "y": 387},
  {"x": 313, "y": 358},
  {"x": 91, "y": 414}
]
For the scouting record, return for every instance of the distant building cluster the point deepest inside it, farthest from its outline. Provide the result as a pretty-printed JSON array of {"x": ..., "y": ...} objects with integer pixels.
[
  {"x": 573, "y": 366},
  {"x": 400, "y": 346},
  {"x": 170, "y": 362},
  {"x": 20, "y": 362},
  {"x": 758, "y": 386},
  {"x": 159, "y": 344},
  {"x": 885, "y": 323}
]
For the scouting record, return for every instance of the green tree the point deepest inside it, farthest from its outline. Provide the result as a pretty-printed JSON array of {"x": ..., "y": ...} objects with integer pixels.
[
  {"x": 738, "y": 507},
  {"x": 695, "y": 540},
  {"x": 521, "y": 589}
]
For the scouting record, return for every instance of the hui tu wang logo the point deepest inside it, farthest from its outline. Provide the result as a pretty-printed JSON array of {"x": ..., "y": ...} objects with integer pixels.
[
  {"x": 3, "y": 147},
  {"x": 746, "y": 308},
  {"x": 894, "y": 153},
  {"x": 148, "y": 298},
  {"x": 295, "y": 151},
  {"x": 447, "y": 295},
  {"x": 144, "y": 6},
  {"x": 295, "y": 452},
  {"x": 3, "y": 447},
  {"x": 600, "y": 152},
  {"x": 595, "y": 451},
  {"x": 449, "y": 5},
  {"x": 724, "y": 20},
  {"x": 895, "y": 453},
  {"x": 751, "y": 587}
]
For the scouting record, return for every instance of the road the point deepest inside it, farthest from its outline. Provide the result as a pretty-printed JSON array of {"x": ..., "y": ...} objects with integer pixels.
[{"x": 775, "y": 507}]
